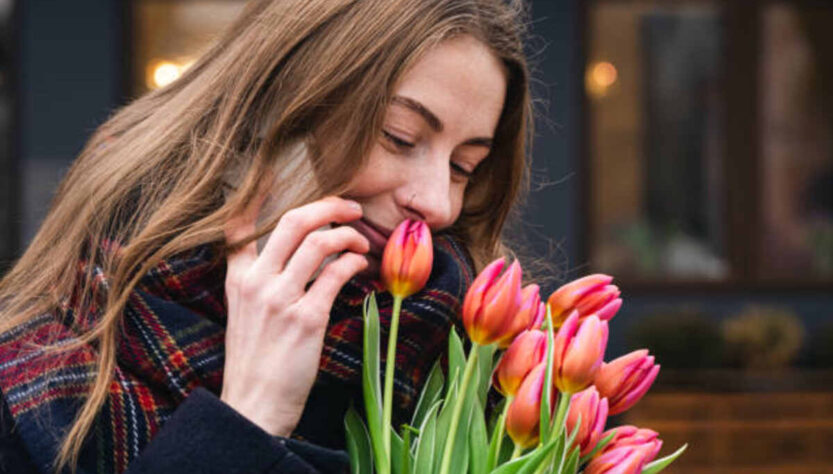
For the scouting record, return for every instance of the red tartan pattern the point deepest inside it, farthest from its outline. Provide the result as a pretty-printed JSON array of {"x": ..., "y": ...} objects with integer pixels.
[{"x": 171, "y": 341}]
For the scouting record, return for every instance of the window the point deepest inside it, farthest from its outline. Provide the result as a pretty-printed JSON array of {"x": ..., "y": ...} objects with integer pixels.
[
  {"x": 169, "y": 36},
  {"x": 709, "y": 142}
]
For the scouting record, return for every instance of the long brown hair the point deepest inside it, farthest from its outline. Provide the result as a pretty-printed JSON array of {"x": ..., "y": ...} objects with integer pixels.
[{"x": 151, "y": 177}]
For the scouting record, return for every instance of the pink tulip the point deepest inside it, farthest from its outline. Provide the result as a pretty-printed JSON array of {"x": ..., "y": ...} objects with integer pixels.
[
  {"x": 407, "y": 260},
  {"x": 588, "y": 409},
  {"x": 526, "y": 352},
  {"x": 578, "y": 352},
  {"x": 592, "y": 294},
  {"x": 525, "y": 317},
  {"x": 522, "y": 417},
  {"x": 624, "y": 460},
  {"x": 625, "y": 380},
  {"x": 492, "y": 302},
  {"x": 628, "y": 435}
]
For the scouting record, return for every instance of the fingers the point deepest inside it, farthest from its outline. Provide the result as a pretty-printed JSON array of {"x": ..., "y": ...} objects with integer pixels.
[
  {"x": 296, "y": 223},
  {"x": 319, "y": 245},
  {"x": 335, "y": 275}
]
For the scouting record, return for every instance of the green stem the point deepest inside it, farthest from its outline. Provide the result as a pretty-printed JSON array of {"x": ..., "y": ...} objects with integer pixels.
[
  {"x": 501, "y": 426},
  {"x": 561, "y": 411},
  {"x": 458, "y": 409},
  {"x": 390, "y": 365},
  {"x": 516, "y": 452}
]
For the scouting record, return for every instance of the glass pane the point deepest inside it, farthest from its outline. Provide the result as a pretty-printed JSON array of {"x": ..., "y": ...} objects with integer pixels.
[
  {"x": 168, "y": 36},
  {"x": 8, "y": 188},
  {"x": 656, "y": 140},
  {"x": 797, "y": 142}
]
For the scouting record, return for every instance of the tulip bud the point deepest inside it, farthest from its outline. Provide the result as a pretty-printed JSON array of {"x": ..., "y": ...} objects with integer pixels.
[
  {"x": 624, "y": 460},
  {"x": 492, "y": 302},
  {"x": 578, "y": 352},
  {"x": 525, "y": 317},
  {"x": 539, "y": 317},
  {"x": 592, "y": 294},
  {"x": 628, "y": 435},
  {"x": 406, "y": 262},
  {"x": 590, "y": 410},
  {"x": 523, "y": 415},
  {"x": 527, "y": 351},
  {"x": 625, "y": 380}
]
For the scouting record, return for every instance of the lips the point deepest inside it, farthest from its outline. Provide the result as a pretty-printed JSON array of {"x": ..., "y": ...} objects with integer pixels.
[{"x": 376, "y": 235}]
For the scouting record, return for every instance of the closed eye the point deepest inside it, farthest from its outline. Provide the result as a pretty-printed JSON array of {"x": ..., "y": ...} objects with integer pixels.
[
  {"x": 461, "y": 171},
  {"x": 396, "y": 141}
]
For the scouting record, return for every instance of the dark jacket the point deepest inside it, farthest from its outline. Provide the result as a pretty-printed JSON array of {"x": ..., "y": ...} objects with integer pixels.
[{"x": 204, "y": 435}]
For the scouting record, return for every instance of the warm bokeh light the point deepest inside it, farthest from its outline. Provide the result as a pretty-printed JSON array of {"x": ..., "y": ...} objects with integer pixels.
[
  {"x": 600, "y": 77},
  {"x": 162, "y": 73}
]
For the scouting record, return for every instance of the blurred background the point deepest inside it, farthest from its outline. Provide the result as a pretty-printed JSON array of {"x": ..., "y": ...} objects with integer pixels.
[{"x": 685, "y": 147}]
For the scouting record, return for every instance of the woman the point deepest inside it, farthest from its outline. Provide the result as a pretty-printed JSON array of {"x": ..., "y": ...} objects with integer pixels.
[{"x": 145, "y": 330}]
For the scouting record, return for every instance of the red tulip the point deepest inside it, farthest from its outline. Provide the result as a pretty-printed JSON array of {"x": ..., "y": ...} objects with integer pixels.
[
  {"x": 628, "y": 435},
  {"x": 524, "y": 412},
  {"x": 525, "y": 317},
  {"x": 527, "y": 351},
  {"x": 492, "y": 302},
  {"x": 578, "y": 352},
  {"x": 406, "y": 262},
  {"x": 624, "y": 460},
  {"x": 539, "y": 317},
  {"x": 592, "y": 294},
  {"x": 590, "y": 410},
  {"x": 625, "y": 380}
]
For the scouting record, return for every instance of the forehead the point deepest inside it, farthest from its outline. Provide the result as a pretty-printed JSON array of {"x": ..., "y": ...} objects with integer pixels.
[{"x": 460, "y": 81}]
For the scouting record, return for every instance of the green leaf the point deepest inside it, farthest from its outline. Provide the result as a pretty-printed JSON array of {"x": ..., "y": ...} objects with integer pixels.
[
  {"x": 358, "y": 443},
  {"x": 444, "y": 420},
  {"x": 485, "y": 366},
  {"x": 496, "y": 435},
  {"x": 370, "y": 379},
  {"x": 431, "y": 392},
  {"x": 456, "y": 358},
  {"x": 425, "y": 449},
  {"x": 572, "y": 462},
  {"x": 527, "y": 463},
  {"x": 660, "y": 464},
  {"x": 478, "y": 447},
  {"x": 460, "y": 451},
  {"x": 398, "y": 453},
  {"x": 568, "y": 445},
  {"x": 546, "y": 396},
  {"x": 599, "y": 446}
]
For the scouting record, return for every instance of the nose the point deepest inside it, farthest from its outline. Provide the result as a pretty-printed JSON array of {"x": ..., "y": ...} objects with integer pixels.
[{"x": 427, "y": 193}]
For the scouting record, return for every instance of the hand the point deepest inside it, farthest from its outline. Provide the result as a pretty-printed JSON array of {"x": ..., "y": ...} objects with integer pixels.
[{"x": 275, "y": 330}]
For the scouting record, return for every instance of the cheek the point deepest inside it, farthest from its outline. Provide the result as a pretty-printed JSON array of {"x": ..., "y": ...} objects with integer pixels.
[{"x": 376, "y": 177}]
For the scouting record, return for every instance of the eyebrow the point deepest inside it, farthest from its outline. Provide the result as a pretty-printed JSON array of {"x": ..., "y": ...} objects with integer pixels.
[{"x": 434, "y": 122}]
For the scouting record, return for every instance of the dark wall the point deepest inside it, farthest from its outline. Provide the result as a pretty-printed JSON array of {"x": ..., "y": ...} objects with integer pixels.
[{"x": 70, "y": 78}]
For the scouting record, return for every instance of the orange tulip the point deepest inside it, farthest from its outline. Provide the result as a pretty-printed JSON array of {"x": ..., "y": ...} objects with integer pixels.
[
  {"x": 578, "y": 352},
  {"x": 625, "y": 380},
  {"x": 525, "y": 317},
  {"x": 406, "y": 262},
  {"x": 590, "y": 410},
  {"x": 522, "y": 418},
  {"x": 629, "y": 435},
  {"x": 624, "y": 460},
  {"x": 592, "y": 294},
  {"x": 526, "y": 352},
  {"x": 492, "y": 302}
]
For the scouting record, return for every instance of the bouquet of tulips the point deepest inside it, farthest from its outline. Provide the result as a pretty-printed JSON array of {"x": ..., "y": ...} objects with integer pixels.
[{"x": 558, "y": 390}]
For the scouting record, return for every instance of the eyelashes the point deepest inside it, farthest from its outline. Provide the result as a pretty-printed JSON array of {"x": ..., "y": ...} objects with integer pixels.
[{"x": 405, "y": 146}]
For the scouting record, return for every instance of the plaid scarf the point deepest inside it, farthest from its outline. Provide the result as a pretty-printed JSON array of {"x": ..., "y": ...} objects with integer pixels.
[{"x": 172, "y": 341}]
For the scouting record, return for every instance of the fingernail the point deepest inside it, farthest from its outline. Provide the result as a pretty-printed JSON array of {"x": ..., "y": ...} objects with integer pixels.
[{"x": 354, "y": 205}]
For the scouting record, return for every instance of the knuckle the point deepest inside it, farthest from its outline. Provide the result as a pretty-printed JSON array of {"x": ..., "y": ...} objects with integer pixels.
[{"x": 292, "y": 219}]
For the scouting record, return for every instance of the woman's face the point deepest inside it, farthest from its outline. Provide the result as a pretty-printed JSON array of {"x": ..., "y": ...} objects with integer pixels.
[{"x": 437, "y": 130}]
